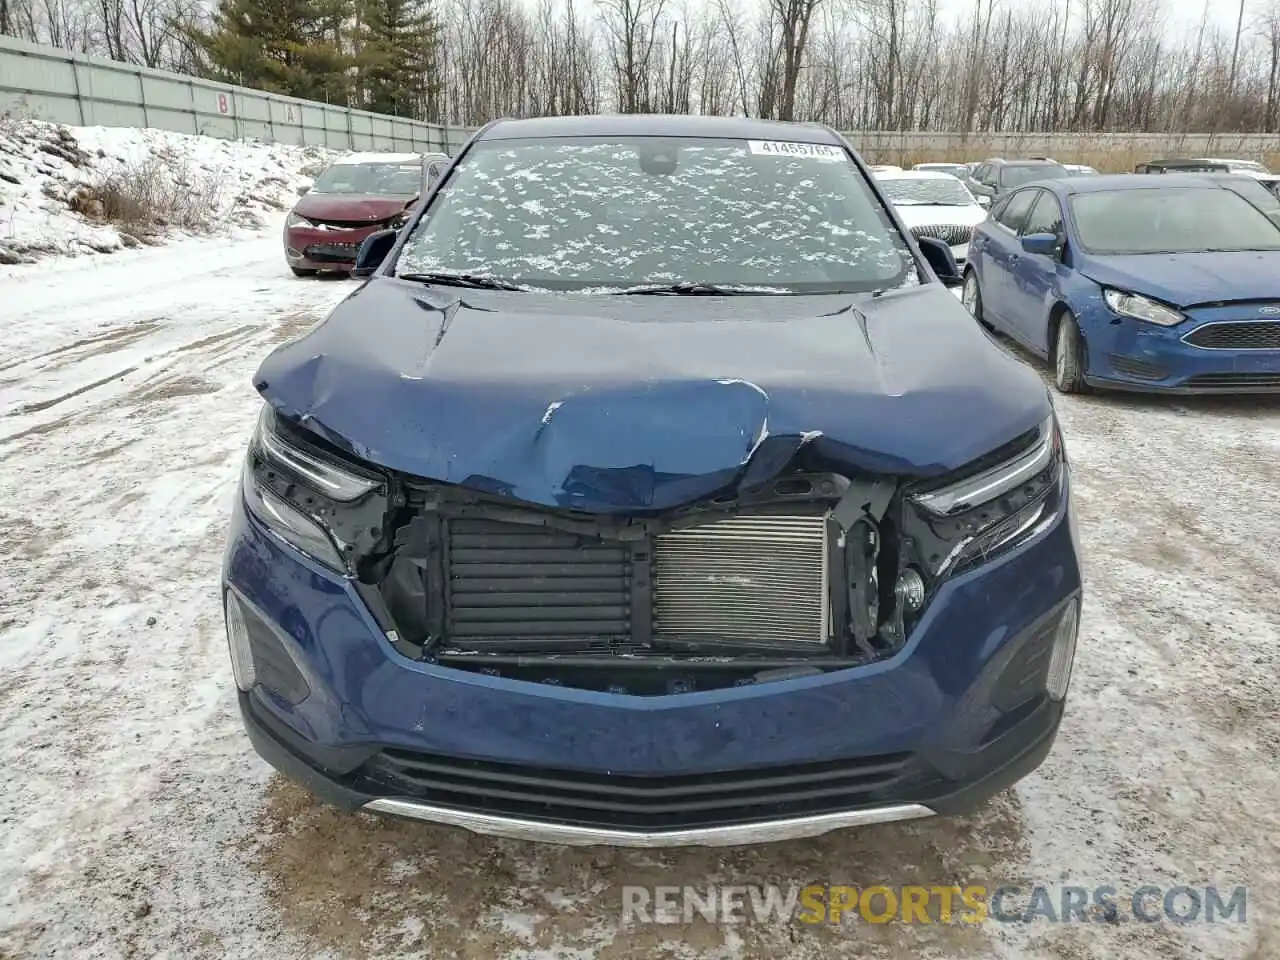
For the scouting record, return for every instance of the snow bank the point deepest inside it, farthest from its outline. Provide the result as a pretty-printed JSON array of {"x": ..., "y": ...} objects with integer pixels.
[{"x": 51, "y": 177}]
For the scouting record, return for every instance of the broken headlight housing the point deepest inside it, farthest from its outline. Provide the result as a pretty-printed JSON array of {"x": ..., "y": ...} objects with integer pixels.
[
  {"x": 322, "y": 507},
  {"x": 997, "y": 503}
]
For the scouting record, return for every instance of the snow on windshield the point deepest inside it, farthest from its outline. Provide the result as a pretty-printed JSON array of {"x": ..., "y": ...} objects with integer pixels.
[
  {"x": 583, "y": 213},
  {"x": 908, "y": 190}
]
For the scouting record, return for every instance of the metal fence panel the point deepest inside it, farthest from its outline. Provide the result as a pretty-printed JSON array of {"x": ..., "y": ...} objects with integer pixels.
[{"x": 51, "y": 84}]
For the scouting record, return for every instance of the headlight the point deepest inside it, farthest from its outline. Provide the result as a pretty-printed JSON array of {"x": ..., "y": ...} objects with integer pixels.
[
  {"x": 297, "y": 220},
  {"x": 994, "y": 508},
  {"x": 1142, "y": 308},
  {"x": 317, "y": 506}
]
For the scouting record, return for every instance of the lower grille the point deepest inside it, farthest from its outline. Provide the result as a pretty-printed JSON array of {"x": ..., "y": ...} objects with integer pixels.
[
  {"x": 1244, "y": 335},
  {"x": 639, "y": 802},
  {"x": 510, "y": 581},
  {"x": 952, "y": 234},
  {"x": 1139, "y": 369},
  {"x": 1235, "y": 381},
  {"x": 747, "y": 578},
  {"x": 332, "y": 252}
]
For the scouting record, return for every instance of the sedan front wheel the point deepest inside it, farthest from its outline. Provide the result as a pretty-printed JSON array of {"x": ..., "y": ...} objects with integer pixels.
[
  {"x": 971, "y": 297},
  {"x": 1068, "y": 357}
]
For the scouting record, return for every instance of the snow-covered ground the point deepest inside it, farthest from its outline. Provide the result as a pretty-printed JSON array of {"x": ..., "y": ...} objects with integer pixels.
[
  {"x": 47, "y": 172},
  {"x": 135, "y": 819}
]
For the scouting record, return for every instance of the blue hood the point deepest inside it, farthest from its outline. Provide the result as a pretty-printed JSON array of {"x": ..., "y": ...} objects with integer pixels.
[
  {"x": 1187, "y": 279},
  {"x": 640, "y": 403}
]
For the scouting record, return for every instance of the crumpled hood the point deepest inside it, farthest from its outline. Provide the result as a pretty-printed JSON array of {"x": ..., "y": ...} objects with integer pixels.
[
  {"x": 628, "y": 404},
  {"x": 332, "y": 206},
  {"x": 1186, "y": 279}
]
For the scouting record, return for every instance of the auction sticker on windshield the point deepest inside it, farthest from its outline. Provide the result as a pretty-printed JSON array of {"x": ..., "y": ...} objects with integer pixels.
[{"x": 785, "y": 148}]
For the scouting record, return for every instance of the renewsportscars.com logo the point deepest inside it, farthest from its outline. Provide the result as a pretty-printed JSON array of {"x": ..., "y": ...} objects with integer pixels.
[{"x": 833, "y": 904}]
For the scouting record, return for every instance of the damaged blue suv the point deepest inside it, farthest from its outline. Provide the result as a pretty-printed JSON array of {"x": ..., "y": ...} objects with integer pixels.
[{"x": 653, "y": 490}]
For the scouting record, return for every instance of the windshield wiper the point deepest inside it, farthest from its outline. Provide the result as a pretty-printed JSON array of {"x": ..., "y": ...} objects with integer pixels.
[
  {"x": 475, "y": 281},
  {"x": 689, "y": 288}
]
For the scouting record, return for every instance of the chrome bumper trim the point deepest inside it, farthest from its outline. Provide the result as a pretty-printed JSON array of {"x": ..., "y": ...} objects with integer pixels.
[{"x": 734, "y": 835}]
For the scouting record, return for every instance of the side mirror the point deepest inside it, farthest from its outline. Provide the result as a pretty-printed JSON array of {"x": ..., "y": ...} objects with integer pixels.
[
  {"x": 941, "y": 260},
  {"x": 373, "y": 251},
  {"x": 1041, "y": 244},
  {"x": 303, "y": 190}
]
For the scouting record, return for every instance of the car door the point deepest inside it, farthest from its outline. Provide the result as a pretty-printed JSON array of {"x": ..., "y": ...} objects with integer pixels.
[
  {"x": 1000, "y": 251},
  {"x": 1032, "y": 276}
]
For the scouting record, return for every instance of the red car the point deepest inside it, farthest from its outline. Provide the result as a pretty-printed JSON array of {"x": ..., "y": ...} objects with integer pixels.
[{"x": 356, "y": 196}]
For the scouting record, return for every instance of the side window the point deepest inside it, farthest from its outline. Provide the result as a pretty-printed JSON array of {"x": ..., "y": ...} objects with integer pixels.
[
  {"x": 1013, "y": 213},
  {"x": 1045, "y": 216},
  {"x": 980, "y": 172}
]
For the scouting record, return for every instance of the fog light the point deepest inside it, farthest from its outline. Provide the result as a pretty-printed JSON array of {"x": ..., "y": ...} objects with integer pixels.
[
  {"x": 238, "y": 641},
  {"x": 910, "y": 590},
  {"x": 1064, "y": 652}
]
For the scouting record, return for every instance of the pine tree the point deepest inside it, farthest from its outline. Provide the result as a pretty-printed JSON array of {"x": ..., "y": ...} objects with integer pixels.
[
  {"x": 397, "y": 46},
  {"x": 284, "y": 46}
]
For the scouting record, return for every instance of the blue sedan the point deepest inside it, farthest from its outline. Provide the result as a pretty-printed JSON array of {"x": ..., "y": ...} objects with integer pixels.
[{"x": 1135, "y": 282}]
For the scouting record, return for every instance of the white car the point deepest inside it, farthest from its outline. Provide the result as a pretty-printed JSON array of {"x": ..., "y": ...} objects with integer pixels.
[
  {"x": 935, "y": 205},
  {"x": 880, "y": 168},
  {"x": 1080, "y": 170}
]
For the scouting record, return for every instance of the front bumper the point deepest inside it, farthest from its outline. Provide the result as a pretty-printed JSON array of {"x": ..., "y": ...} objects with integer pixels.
[
  {"x": 1127, "y": 354},
  {"x": 956, "y": 716},
  {"x": 307, "y": 248}
]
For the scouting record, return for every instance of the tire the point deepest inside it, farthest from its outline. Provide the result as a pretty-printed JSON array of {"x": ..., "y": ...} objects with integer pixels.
[
  {"x": 1068, "y": 357},
  {"x": 300, "y": 272},
  {"x": 971, "y": 297}
]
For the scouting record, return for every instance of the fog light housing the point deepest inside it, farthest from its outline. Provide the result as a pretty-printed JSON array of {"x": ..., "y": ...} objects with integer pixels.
[
  {"x": 1063, "y": 656},
  {"x": 238, "y": 641}
]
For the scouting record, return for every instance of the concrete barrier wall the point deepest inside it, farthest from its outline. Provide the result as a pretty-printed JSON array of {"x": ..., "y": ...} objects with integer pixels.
[
  {"x": 1113, "y": 151},
  {"x": 63, "y": 87}
]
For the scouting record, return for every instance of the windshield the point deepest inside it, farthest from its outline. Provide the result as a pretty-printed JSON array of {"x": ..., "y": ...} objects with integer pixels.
[
  {"x": 948, "y": 192},
  {"x": 403, "y": 179},
  {"x": 1257, "y": 194},
  {"x": 1011, "y": 176},
  {"x": 580, "y": 213},
  {"x": 1159, "y": 220}
]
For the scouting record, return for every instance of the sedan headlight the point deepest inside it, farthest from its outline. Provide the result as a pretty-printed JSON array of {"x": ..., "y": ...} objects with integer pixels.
[
  {"x": 318, "y": 506},
  {"x": 959, "y": 522},
  {"x": 1142, "y": 308},
  {"x": 297, "y": 220}
]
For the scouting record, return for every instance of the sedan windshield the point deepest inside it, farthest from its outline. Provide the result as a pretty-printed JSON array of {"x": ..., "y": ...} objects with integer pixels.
[
  {"x": 583, "y": 213},
  {"x": 936, "y": 191},
  {"x": 1013, "y": 176},
  {"x": 371, "y": 179},
  {"x": 1162, "y": 220}
]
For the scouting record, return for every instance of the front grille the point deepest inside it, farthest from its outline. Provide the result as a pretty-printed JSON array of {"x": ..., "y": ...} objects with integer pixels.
[
  {"x": 640, "y": 802},
  {"x": 332, "y": 252},
  {"x": 1237, "y": 335},
  {"x": 745, "y": 578},
  {"x": 511, "y": 581},
  {"x": 1235, "y": 381},
  {"x": 952, "y": 234},
  {"x": 1138, "y": 369}
]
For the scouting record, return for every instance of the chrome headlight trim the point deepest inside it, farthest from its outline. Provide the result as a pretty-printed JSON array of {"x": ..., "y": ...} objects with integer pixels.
[
  {"x": 325, "y": 477},
  {"x": 998, "y": 480}
]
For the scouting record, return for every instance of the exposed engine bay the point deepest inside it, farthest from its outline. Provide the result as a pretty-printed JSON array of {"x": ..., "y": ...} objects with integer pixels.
[{"x": 814, "y": 570}]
